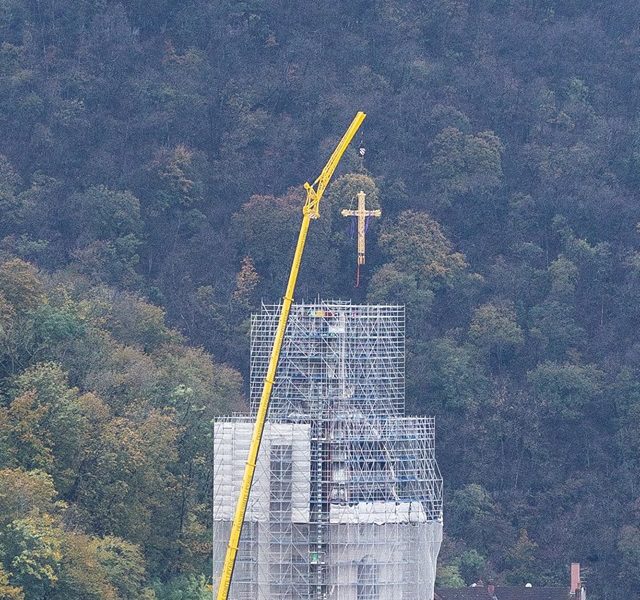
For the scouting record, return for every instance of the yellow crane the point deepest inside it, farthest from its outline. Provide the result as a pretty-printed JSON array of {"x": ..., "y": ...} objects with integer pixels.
[{"x": 311, "y": 210}]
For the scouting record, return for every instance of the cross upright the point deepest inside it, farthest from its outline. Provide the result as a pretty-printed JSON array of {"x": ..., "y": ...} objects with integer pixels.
[{"x": 361, "y": 213}]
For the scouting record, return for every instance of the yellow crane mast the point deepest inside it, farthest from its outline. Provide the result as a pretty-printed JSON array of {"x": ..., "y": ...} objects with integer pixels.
[{"x": 311, "y": 210}]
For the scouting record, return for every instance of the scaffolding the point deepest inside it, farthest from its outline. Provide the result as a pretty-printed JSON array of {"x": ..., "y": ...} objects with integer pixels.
[
  {"x": 346, "y": 502},
  {"x": 335, "y": 357}
]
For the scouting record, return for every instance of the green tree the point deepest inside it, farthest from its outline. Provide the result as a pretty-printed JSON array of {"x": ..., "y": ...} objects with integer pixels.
[
  {"x": 178, "y": 176},
  {"x": 184, "y": 588},
  {"x": 106, "y": 226},
  {"x": 448, "y": 576},
  {"x": 271, "y": 248},
  {"x": 494, "y": 329},
  {"x": 453, "y": 374},
  {"x": 565, "y": 390},
  {"x": 33, "y": 552},
  {"x": 104, "y": 214},
  {"x": 343, "y": 193},
  {"x": 20, "y": 285},
  {"x": 472, "y": 566},
  {"x": 554, "y": 324},
  {"x": 464, "y": 163},
  {"x": 475, "y": 516},
  {"x": 416, "y": 244},
  {"x": 564, "y": 277},
  {"x": 390, "y": 285},
  {"x": 110, "y": 261},
  {"x": 25, "y": 492},
  {"x": 193, "y": 108},
  {"x": 130, "y": 319},
  {"x": 124, "y": 567}
]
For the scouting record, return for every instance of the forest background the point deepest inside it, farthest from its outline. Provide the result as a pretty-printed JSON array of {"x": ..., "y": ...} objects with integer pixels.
[{"x": 151, "y": 161}]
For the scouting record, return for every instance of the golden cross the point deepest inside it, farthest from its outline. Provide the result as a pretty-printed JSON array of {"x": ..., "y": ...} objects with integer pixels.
[{"x": 362, "y": 213}]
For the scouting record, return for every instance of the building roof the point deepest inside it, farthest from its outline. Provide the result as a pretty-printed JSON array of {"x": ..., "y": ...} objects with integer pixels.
[{"x": 503, "y": 593}]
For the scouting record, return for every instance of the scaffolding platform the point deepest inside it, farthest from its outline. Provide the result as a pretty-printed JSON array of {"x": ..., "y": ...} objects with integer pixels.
[{"x": 346, "y": 502}]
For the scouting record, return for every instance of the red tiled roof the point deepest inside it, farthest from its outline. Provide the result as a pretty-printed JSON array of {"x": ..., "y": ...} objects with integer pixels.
[{"x": 503, "y": 593}]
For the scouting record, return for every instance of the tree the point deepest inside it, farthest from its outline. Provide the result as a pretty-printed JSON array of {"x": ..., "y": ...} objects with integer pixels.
[
  {"x": 29, "y": 444},
  {"x": 184, "y": 588},
  {"x": 110, "y": 261},
  {"x": 33, "y": 552},
  {"x": 343, "y": 191},
  {"x": 565, "y": 390},
  {"x": 246, "y": 281},
  {"x": 7, "y": 591},
  {"x": 629, "y": 548},
  {"x": 130, "y": 319},
  {"x": 476, "y": 518},
  {"x": 130, "y": 480},
  {"x": 553, "y": 323},
  {"x": 10, "y": 205},
  {"x": 20, "y": 285},
  {"x": 178, "y": 174},
  {"x": 103, "y": 214},
  {"x": 52, "y": 325},
  {"x": 391, "y": 285},
  {"x": 453, "y": 375},
  {"x": 271, "y": 248},
  {"x": 465, "y": 163},
  {"x": 82, "y": 576},
  {"x": 415, "y": 243},
  {"x": 521, "y": 561},
  {"x": 106, "y": 226},
  {"x": 448, "y": 576},
  {"x": 564, "y": 277},
  {"x": 124, "y": 567},
  {"x": 477, "y": 113},
  {"x": 51, "y": 426},
  {"x": 25, "y": 492},
  {"x": 472, "y": 566},
  {"x": 494, "y": 329}
]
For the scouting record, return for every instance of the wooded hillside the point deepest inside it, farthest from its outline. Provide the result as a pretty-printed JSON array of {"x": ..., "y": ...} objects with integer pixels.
[{"x": 151, "y": 162}]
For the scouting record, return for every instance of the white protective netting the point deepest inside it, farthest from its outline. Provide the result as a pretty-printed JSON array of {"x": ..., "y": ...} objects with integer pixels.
[{"x": 355, "y": 544}]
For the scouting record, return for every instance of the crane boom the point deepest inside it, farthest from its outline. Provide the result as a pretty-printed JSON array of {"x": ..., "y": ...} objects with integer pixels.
[
  {"x": 314, "y": 196},
  {"x": 311, "y": 210}
]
